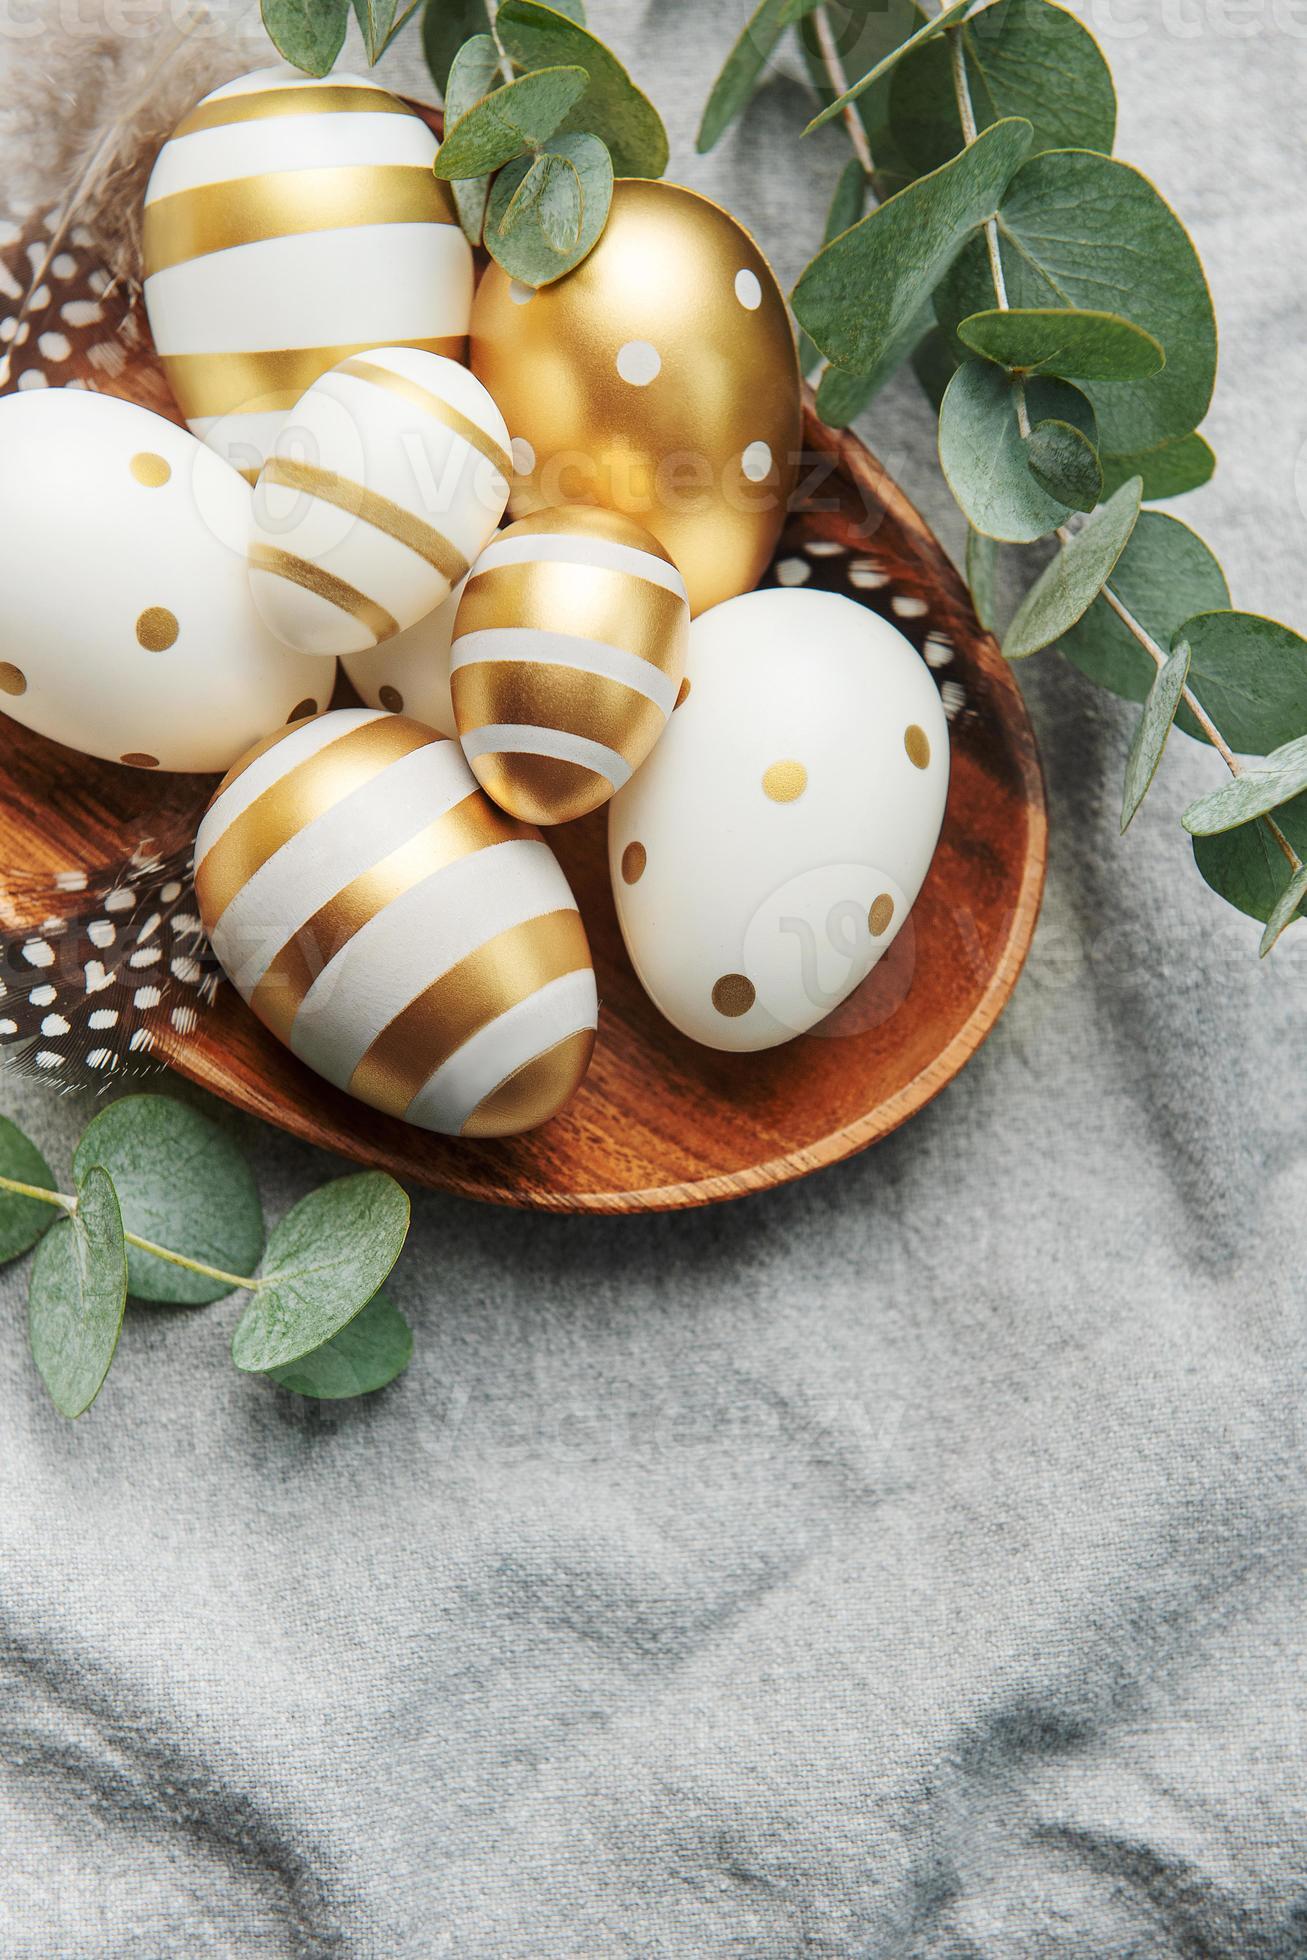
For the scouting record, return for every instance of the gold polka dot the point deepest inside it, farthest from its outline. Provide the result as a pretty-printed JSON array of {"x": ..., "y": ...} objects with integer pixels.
[
  {"x": 733, "y": 995},
  {"x": 882, "y": 911},
  {"x": 917, "y": 746},
  {"x": 12, "y": 679},
  {"x": 301, "y": 709},
  {"x": 682, "y": 695},
  {"x": 139, "y": 759},
  {"x": 634, "y": 859},
  {"x": 785, "y": 782},
  {"x": 391, "y": 698},
  {"x": 157, "y": 629},
  {"x": 149, "y": 469}
]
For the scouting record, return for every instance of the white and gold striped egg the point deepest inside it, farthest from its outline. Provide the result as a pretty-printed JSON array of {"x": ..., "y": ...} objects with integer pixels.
[
  {"x": 404, "y": 938},
  {"x": 387, "y": 478},
  {"x": 567, "y": 655},
  {"x": 289, "y": 223}
]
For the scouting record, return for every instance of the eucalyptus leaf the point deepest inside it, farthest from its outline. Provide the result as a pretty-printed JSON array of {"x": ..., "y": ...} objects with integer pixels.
[
  {"x": 1063, "y": 461},
  {"x": 861, "y": 290},
  {"x": 76, "y": 1296},
  {"x": 1250, "y": 674},
  {"x": 1151, "y": 731},
  {"x": 1080, "y": 230},
  {"x": 514, "y": 117},
  {"x": 472, "y": 77},
  {"x": 1076, "y": 344},
  {"x": 1287, "y": 907},
  {"x": 933, "y": 25},
  {"x": 307, "y": 33},
  {"x": 863, "y": 32},
  {"x": 1168, "y": 471},
  {"x": 1247, "y": 866},
  {"x": 550, "y": 195},
  {"x": 1024, "y": 58},
  {"x": 612, "y": 107},
  {"x": 982, "y": 577},
  {"x": 935, "y": 364},
  {"x": 446, "y": 25},
  {"x": 23, "y": 1220},
  {"x": 376, "y": 19},
  {"x": 1164, "y": 572},
  {"x": 371, "y": 1351},
  {"x": 525, "y": 251},
  {"x": 1065, "y": 589},
  {"x": 181, "y": 1183},
  {"x": 984, "y": 454},
  {"x": 325, "y": 1261},
  {"x": 742, "y": 71},
  {"x": 846, "y": 207},
  {"x": 1261, "y": 787},
  {"x": 841, "y": 396}
]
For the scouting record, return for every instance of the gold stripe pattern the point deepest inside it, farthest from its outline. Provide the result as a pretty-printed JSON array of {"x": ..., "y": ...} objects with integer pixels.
[
  {"x": 254, "y": 105},
  {"x": 469, "y": 826},
  {"x": 534, "y": 1092},
  {"x": 336, "y": 591},
  {"x": 380, "y": 512},
  {"x": 589, "y": 521},
  {"x": 542, "y": 788},
  {"x": 540, "y": 694},
  {"x": 287, "y": 203},
  {"x": 422, "y": 398},
  {"x": 503, "y": 970},
  {"x": 253, "y": 383},
  {"x": 307, "y": 791},
  {"x": 589, "y": 602}
]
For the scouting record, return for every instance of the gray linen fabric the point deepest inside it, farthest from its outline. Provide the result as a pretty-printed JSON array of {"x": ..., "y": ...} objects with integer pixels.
[{"x": 907, "y": 1564}]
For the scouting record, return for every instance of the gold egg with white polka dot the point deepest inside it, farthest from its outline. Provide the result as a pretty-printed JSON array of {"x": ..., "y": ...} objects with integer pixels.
[{"x": 658, "y": 379}]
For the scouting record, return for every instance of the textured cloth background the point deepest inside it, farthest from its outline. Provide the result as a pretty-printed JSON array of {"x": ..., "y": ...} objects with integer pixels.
[{"x": 907, "y": 1564}]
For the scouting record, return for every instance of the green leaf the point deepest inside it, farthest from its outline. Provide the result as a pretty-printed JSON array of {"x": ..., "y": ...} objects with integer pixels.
[
  {"x": 1065, "y": 590},
  {"x": 1162, "y": 575},
  {"x": 1079, "y": 230},
  {"x": 76, "y": 1297},
  {"x": 935, "y": 364},
  {"x": 846, "y": 207},
  {"x": 471, "y": 79},
  {"x": 1024, "y": 58},
  {"x": 376, "y": 19},
  {"x": 1075, "y": 344},
  {"x": 841, "y": 396},
  {"x": 325, "y": 1261},
  {"x": 863, "y": 31},
  {"x": 182, "y": 1183},
  {"x": 512, "y": 118},
  {"x": 307, "y": 33},
  {"x": 22, "y": 1220},
  {"x": 1262, "y": 787},
  {"x": 376, "y": 1346},
  {"x": 525, "y": 251},
  {"x": 446, "y": 25},
  {"x": 983, "y": 453},
  {"x": 550, "y": 196},
  {"x": 1153, "y": 727},
  {"x": 982, "y": 577},
  {"x": 742, "y": 71},
  {"x": 1250, "y": 674},
  {"x": 1247, "y": 866},
  {"x": 612, "y": 107},
  {"x": 1063, "y": 461},
  {"x": 926, "y": 32},
  {"x": 1286, "y": 909},
  {"x": 861, "y": 290},
  {"x": 1167, "y": 471}
]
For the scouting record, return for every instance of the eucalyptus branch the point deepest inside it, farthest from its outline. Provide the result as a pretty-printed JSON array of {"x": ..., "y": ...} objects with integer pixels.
[
  {"x": 64, "y": 1201},
  {"x": 839, "y": 81},
  {"x": 967, "y": 117}
]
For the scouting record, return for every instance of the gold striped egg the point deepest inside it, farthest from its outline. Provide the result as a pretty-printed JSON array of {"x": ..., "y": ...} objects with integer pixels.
[
  {"x": 412, "y": 944},
  {"x": 568, "y": 651},
  {"x": 288, "y": 224},
  {"x": 386, "y": 480},
  {"x": 658, "y": 378}
]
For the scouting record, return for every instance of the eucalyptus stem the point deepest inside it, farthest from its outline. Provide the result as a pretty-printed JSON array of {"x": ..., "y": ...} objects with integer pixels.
[
  {"x": 967, "y": 117},
  {"x": 64, "y": 1201},
  {"x": 839, "y": 81}
]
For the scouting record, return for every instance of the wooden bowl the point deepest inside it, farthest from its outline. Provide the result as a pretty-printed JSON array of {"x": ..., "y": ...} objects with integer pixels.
[{"x": 659, "y": 1122}]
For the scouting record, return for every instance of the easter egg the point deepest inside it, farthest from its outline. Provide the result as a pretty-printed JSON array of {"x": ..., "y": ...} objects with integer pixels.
[
  {"x": 568, "y": 651},
  {"x": 385, "y": 481},
  {"x": 769, "y": 851},
  {"x": 290, "y": 223},
  {"x": 409, "y": 675},
  {"x": 412, "y": 944},
  {"x": 660, "y": 379},
  {"x": 127, "y": 629}
]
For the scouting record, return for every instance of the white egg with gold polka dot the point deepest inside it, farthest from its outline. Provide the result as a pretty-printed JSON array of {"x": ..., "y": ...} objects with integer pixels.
[
  {"x": 407, "y": 940},
  {"x": 409, "y": 675},
  {"x": 567, "y": 655},
  {"x": 385, "y": 481},
  {"x": 768, "y": 853},
  {"x": 290, "y": 222},
  {"x": 127, "y": 629}
]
